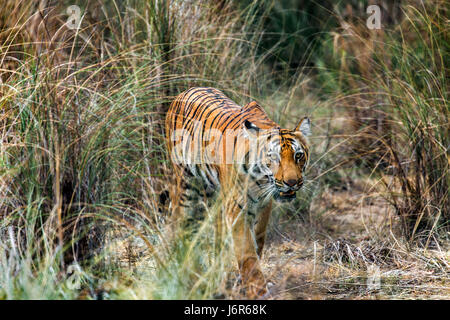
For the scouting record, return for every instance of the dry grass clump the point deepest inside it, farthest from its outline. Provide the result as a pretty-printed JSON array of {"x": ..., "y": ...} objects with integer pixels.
[{"x": 342, "y": 251}]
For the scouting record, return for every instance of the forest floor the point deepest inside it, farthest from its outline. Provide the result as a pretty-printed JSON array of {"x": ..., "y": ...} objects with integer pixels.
[{"x": 347, "y": 249}]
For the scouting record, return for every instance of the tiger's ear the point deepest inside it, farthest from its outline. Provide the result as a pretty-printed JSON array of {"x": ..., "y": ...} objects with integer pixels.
[
  {"x": 304, "y": 126},
  {"x": 250, "y": 130}
]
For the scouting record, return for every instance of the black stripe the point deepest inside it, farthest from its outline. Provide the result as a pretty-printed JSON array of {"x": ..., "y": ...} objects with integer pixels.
[
  {"x": 183, "y": 102},
  {"x": 189, "y": 120}
]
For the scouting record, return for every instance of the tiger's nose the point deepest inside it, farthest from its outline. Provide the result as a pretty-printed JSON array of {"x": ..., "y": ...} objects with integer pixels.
[{"x": 291, "y": 182}]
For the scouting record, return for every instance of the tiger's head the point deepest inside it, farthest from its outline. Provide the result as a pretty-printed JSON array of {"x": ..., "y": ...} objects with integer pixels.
[{"x": 280, "y": 160}]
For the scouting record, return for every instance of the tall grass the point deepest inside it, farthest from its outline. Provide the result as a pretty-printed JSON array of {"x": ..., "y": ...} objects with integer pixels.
[
  {"x": 392, "y": 84},
  {"x": 81, "y": 149},
  {"x": 419, "y": 91}
]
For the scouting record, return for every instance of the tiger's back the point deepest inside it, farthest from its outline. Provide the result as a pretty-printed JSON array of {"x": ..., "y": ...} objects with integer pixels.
[{"x": 215, "y": 110}]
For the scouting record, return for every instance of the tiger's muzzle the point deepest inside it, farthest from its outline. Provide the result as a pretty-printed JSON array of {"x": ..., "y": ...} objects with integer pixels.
[{"x": 286, "y": 190}]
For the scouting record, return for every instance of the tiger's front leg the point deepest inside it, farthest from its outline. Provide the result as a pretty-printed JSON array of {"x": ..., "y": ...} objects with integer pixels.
[
  {"x": 246, "y": 255},
  {"x": 261, "y": 227}
]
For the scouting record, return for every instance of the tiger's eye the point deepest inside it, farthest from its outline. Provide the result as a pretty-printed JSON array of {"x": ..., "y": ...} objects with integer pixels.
[{"x": 298, "y": 156}]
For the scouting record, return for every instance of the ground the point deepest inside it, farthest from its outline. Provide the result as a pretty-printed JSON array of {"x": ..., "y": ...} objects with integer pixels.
[
  {"x": 350, "y": 252},
  {"x": 347, "y": 247}
]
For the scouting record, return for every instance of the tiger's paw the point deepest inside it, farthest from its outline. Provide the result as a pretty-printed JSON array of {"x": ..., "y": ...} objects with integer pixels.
[{"x": 257, "y": 290}]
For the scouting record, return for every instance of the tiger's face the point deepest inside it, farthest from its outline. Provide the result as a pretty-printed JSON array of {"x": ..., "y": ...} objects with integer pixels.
[{"x": 281, "y": 161}]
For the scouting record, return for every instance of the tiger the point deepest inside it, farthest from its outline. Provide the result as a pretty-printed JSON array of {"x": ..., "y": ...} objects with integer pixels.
[{"x": 220, "y": 149}]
